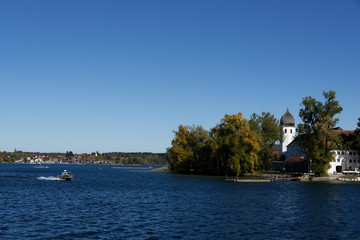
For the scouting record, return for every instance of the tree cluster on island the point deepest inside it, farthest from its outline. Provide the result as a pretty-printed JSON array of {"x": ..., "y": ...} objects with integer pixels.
[{"x": 238, "y": 145}]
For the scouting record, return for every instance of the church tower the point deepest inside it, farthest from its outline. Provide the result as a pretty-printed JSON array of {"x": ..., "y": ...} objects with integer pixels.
[{"x": 287, "y": 122}]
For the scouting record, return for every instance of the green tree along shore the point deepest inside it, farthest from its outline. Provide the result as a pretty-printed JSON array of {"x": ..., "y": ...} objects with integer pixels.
[
  {"x": 237, "y": 145},
  {"x": 316, "y": 134}
]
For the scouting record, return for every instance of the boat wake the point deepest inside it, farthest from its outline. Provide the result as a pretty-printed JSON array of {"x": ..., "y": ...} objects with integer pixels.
[
  {"x": 14, "y": 176},
  {"x": 49, "y": 178}
]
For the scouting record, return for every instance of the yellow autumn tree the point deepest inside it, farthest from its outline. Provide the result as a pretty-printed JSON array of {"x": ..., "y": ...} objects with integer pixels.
[
  {"x": 181, "y": 154},
  {"x": 190, "y": 150},
  {"x": 235, "y": 145}
]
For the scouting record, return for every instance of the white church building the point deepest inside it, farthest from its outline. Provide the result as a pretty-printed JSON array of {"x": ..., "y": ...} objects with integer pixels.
[
  {"x": 287, "y": 122},
  {"x": 294, "y": 156}
]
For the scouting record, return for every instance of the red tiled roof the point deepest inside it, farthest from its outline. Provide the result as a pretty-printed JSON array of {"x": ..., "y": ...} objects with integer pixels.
[
  {"x": 345, "y": 132},
  {"x": 295, "y": 159}
]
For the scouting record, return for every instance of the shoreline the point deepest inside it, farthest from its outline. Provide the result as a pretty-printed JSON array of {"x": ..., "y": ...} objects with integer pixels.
[{"x": 338, "y": 178}]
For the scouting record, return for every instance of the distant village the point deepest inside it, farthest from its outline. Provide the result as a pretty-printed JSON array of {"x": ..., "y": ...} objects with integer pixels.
[
  {"x": 77, "y": 159},
  {"x": 84, "y": 158}
]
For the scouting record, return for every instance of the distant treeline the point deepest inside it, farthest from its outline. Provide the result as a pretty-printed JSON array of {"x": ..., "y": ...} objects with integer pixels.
[{"x": 142, "y": 158}]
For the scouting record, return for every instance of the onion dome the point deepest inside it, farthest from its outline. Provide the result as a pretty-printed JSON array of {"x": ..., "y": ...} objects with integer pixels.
[{"x": 287, "y": 120}]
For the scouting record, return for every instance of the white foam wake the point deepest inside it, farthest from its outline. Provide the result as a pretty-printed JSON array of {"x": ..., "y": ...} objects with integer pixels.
[{"x": 49, "y": 178}]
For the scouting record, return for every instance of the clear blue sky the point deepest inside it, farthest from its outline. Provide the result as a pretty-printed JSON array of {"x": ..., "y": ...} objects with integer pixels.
[{"x": 85, "y": 75}]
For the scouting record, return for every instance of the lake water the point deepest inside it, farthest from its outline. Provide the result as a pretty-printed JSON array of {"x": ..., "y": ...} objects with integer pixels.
[{"x": 103, "y": 202}]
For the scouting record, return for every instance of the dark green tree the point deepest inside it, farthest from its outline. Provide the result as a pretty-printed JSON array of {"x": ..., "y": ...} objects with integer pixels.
[
  {"x": 69, "y": 154},
  {"x": 357, "y": 138},
  {"x": 199, "y": 140},
  {"x": 316, "y": 134},
  {"x": 270, "y": 131}
]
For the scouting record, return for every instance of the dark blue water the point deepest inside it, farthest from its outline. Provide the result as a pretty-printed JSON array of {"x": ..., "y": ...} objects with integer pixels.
[{"x": 107, "y": 203}]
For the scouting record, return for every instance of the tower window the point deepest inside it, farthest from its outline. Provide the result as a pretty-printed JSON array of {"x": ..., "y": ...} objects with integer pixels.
[
  {"x": 285, "y": 130},
  {"x": 290, "y": 130}
]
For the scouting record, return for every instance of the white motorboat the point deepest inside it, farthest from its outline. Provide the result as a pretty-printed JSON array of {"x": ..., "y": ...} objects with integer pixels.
[{"x": 65, "y": 175}]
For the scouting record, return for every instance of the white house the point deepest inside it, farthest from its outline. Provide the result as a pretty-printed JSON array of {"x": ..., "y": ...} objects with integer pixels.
[{"x": 344, "y": 160}]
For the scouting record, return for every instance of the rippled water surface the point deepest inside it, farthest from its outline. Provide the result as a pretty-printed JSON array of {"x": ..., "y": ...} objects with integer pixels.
[{"x": 111, "y": 203}]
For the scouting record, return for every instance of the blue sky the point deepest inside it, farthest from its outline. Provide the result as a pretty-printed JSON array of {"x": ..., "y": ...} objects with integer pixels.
[{"x": 85, "y": 75}]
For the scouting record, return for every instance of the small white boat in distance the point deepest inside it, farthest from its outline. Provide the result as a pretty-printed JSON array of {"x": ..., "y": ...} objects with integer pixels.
[
  {"x": 65, "y": 175},
  {"x": 41, "y": 166}
]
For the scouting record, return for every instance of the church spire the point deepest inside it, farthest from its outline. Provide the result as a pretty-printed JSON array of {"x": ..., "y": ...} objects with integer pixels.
[{"x": 287, "y": 119}]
